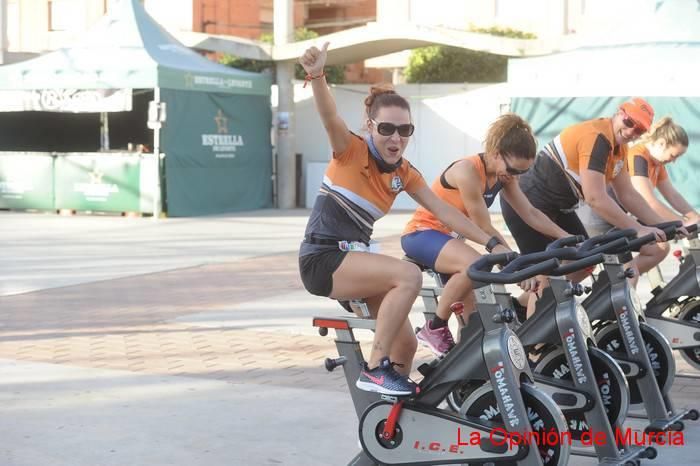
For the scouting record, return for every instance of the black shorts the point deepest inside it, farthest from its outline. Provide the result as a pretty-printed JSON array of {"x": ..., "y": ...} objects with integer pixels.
[
  {"x": 317, "y": 270},
  {"x": 530, "y": 240}
]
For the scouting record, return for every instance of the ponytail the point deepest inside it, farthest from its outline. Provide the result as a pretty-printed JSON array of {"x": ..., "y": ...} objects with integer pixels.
[
  {"x": 511, "y": 135},
  {"x": 668, "y": 130}
]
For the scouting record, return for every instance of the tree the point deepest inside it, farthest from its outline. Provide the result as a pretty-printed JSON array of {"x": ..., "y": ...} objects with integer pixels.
[
  {"x": 440, "y": 64},
  {"x": 334, "y": 74}
]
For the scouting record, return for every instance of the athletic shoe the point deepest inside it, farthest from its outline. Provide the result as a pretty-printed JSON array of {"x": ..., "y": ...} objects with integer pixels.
[
  {"x": 439, "y": 340},
  {"x": 385, "y": 380}
]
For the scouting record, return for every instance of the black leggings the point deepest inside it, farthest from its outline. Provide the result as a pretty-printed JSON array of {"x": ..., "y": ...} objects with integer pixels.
[{"x": 530, "y": 240}]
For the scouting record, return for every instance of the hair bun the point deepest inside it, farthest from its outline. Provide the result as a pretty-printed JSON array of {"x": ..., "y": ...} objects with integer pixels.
[{"x": 376, "y": 90}]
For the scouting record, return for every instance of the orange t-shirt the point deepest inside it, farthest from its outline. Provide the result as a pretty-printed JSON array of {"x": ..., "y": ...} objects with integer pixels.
[
  {"x": 591, "y": 144},
  {"x": 355, "y": 193},
  {"x": 423, "y": 219},
  {"x": 641, "y": 163}
]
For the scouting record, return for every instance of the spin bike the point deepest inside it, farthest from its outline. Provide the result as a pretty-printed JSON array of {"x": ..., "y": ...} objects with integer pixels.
[
  {"x": 415, "y": 430},
  {"x": 585, "y": 382},
  {"x": 674, "y": 308},
  {"x": 621, "y": 331}
]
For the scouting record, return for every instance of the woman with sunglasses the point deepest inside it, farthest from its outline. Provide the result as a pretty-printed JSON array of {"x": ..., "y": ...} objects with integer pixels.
[
  {"x": 362, "y": 180},
  {"x": 471, "y": 185},
  {"x": 577, "y": 166}
]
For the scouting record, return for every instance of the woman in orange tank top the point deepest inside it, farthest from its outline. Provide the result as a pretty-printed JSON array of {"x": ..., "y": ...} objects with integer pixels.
[
  {"x": 471, "y": 185},
  {"x": 665, "y": 142}
]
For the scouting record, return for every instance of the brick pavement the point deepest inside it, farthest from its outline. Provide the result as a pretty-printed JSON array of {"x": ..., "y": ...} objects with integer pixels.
[{"x": 128, "y": 324}]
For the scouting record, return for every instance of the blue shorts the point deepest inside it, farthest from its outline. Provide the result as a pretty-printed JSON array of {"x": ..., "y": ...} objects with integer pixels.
[{"x": 424, "y": 246}]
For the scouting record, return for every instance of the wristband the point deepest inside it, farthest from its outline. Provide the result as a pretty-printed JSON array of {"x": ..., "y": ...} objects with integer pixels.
[
  {"x": 309, "y": 77},
  {"x": 492, "y": 243}
]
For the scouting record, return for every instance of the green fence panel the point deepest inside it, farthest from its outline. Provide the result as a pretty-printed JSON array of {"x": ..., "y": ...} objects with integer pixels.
[
  {"x": 98, "y": 182},
  {"x": 218, "y": 153},
  {"x": 26, "y": 181}
]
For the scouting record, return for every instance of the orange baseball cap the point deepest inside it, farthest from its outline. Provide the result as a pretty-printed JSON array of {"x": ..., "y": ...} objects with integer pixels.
[{"x": 640, "y": 111}]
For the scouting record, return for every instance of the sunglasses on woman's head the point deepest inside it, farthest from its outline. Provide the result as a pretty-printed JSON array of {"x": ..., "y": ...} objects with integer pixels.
[
  {"x": 388, "y": 129},
  {"x": 512, "y": 170},
  {"x": 630, "y": 123}
]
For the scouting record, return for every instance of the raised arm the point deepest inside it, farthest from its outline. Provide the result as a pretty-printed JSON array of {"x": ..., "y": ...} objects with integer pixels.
[{"x": 313, "y": 61}]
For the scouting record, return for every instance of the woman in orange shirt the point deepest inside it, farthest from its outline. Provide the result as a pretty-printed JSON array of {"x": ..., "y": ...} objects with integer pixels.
[
  {"x": 471, "y": 185},
  {"x": 665, "y": 142},
  {"x": 361, "y": 182}
]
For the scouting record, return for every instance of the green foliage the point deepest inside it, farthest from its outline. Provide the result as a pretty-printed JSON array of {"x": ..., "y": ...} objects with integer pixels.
[
  {"x": 440, "y": 64},
  {"x": 504, "y": 32},
  {"x": 334, "y": 74}
]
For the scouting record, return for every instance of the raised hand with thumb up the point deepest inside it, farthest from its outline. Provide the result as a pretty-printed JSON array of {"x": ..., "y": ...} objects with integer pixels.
[{"x": 313, "y": 60}]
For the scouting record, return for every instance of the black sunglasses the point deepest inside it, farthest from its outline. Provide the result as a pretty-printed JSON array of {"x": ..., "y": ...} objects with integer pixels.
[
  {"x": 387, "y": 129},
  {"x": 512, "y": 170},
  {"x": 630, "y": 123}
]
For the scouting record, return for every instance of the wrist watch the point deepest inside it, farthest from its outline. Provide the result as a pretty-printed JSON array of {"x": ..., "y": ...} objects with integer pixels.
[{"x": 492, "y": 243}]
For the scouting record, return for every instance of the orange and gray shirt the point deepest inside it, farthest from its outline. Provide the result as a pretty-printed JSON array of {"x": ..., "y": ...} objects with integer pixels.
[
  {"x": 641, "y": 163},
  {"x": 554, "y": 182},
  {"x": 423, "y": 219},
  {"x": 354, "y": 194}
]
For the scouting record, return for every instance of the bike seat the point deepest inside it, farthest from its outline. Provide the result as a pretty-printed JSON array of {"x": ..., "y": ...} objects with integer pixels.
[
  {"x": 441, "y": 278},
  {"x": 423, "y": 268}
]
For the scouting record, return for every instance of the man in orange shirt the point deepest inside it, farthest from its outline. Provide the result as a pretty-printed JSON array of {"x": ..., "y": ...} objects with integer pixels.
[{"x": 577, "y": 166}]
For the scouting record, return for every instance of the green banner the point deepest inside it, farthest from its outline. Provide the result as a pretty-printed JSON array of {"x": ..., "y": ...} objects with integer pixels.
[
  {"x": 26, "y": 181},
  {"x": 98, "y": 182},
  {"x": 548, "y": 116},
  {"x": 218, "y": 156}
]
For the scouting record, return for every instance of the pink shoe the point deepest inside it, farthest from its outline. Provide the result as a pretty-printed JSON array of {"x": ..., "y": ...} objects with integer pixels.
[{"x": 439, "y": 341}]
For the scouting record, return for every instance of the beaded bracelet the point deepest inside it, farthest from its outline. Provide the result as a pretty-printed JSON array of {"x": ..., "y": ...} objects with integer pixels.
[{"x": 309, "y": 77}]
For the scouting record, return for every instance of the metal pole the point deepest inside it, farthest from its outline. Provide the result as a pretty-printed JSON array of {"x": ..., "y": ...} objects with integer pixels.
[
  {"x": 286, "y": 176},
  {"x": 156, "y": 157}
]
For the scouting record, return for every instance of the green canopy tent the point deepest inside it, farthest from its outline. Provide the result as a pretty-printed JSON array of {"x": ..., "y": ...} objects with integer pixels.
[
  {"x": 216, "y": 136},
  {"x": 555, "y": 91}
]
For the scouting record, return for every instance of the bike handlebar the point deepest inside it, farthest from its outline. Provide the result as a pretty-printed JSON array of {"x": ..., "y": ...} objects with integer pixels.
[
  {"x": 567, "y": 241},
  {"x": 535, "y": 257},
  {"x": 665, "y": 225},
  {"x": 605, "y": 248},
  {"x": 481, "y": 269},
  {"x": 669, "y": 230},
  {"x": 580, "y": 264},
  {"x": 608, "y": 237}
]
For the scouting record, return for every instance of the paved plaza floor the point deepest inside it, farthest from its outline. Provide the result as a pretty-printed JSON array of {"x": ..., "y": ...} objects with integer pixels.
[{"x": 184, "y": 342}]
